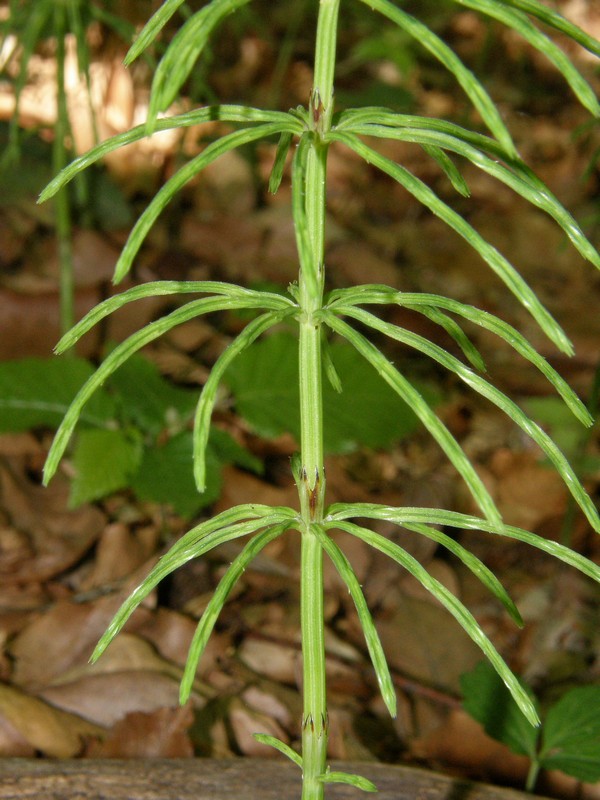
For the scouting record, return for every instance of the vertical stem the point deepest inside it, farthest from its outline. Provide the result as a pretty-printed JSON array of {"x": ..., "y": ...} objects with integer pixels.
[
  {"x": 532, "y": 775},
  {"x": 62, "y": 205},
  {"x": 311, "y": 478}
]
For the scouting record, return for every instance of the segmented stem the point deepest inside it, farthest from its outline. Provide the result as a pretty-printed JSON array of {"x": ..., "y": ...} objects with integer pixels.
[{"x": 311, "y": 477}]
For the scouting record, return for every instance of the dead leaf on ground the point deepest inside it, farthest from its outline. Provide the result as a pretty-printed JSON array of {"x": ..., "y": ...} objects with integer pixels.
[
  {"x": 156, "y": 734},
  {"x": 50, "y": 537},
  {"x": 59, "y": 639},
  {"x": 106, "y": 698},
  {"x": 47, "y": 729}
]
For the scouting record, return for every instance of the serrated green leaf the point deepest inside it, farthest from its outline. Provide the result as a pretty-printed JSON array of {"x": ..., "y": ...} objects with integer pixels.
[
  {"x": 265, "y": 387},
  {"x": 571, "y": 734},
  {"x": 37, "y": 392},
  {"x": 487, "y": 700},
  {"x": 165, "y": 476},
  {"x": 104, "y": 462}
]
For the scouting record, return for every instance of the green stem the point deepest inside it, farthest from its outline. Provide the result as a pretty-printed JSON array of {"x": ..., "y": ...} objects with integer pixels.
[
  {"x": 532, "y": 775},
  {"x": 311, "y": 477},
  {"x": 62, "y": 204}
]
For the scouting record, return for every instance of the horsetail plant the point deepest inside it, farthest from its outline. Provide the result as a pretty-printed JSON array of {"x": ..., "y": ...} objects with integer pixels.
[
  {"x": 21, "y": 33},
  {"x": 313, "y": 129}
]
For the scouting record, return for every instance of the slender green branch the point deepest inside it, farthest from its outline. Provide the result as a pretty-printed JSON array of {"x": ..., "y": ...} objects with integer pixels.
[{"x": 62, "y": 203}]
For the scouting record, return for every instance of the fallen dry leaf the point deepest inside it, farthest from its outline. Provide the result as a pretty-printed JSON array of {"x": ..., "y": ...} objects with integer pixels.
[
  {"x": 245, "y": 722},
  {"x": 12, "y": 742},
  {"x": 47, "y": 729},
  {"x": 119, "y": 552},
  {"x": 156, "y": 734},
  {"x": 59, "y": 639},
  {"x": 528, "y": 493},
  {"x": 274, "y": 660},
  {"x": 106, "y": 698},
  {"x": 49, "y": 538}
]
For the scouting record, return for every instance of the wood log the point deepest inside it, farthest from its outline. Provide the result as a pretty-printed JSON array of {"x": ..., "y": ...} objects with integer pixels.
[{"x": 212, "y": 779}]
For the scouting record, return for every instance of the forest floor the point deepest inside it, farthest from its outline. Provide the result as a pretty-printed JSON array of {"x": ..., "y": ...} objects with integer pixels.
[{"x": 64, "y": 572}]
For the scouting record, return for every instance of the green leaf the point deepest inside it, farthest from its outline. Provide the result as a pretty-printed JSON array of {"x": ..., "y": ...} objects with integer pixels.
[
  {"x": 218, "y": 600},
  {"x": 520, "y": 178},
  {"x": 449, "y": 168},
  {"x": 208, "y": 395},
  {"x": 439, "y": 50},
  {"x": 149, "y": 401},
  {"x": 421, "y": 302},
  {"x": 452, "y": 604},
  {"x": 152, "y": 28},
  {"x": 556, "y": 21},
  {"x": 282, "y": 747},
  {"x": 521, "y": 23},
  {"x": 487, "y": 700},
  {"x": 364, "y": 784},
  {"x": 487, "y": 390},
  {"x": 571, "y": 735},
  {"x": 454, "y": 330},
  {"x": 412, "y": 397},
  {"x": 224, "y": 113},
  {"x": 505, "y": 271},
  {"x": 119, "y": 355},
  {"x": 182, "y": 53},
  {"x": 308, "y": 263},
  {"x": 165, "y": 476},
  {"x": 453, "y": 519},
  {"x": 258, "y": 299},
  {"x": 228, "y": 451},
  {"x": 104, "y": 462},
  {"x": 477, "y": 567},
  {"x": 166, "y": 193},
  {"x": 202, "y": 538},
  {"x": 283, "y": 148},
  {"x": 372, "y": 639},
  {"x": 37, "y": 392},
  {"x": 367, "y": 412}
]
